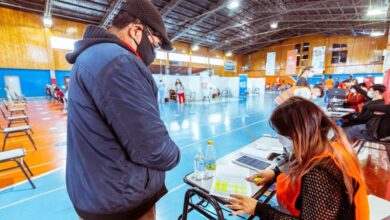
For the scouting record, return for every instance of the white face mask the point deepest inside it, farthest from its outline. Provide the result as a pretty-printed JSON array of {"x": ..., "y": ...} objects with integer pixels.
[
  {"x": 314, "y": 97},
  {"x": 286, "y": 142},
  {"x": 353, "y": 90},
  {"x": 311, "y": 74},
  {"x": 370, "y": 94}
]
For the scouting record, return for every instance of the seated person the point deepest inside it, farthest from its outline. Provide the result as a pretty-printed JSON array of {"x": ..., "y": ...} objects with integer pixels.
[
  {"x": 323, "y": 179},
  {"x": 376, "y": 128},
  {"x": 305, "y": 92},
  {"x": 354, "y": 99},
  {"x": 362, "y": 89},
  {"x": 376, "y": 96}
]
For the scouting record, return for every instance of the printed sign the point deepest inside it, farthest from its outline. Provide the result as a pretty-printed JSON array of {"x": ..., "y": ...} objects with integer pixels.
[
  {"x": 230, "y": 66},
  {"x": 318, "y": 61},
  {"x": 243, "y": 84},
  {"x": 291, "y": 63},
  {"x": 270, "y": 65}
]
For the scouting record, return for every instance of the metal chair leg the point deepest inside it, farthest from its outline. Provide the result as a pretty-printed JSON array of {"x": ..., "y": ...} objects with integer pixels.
[
  {"x": 25, "y": 164},
  {"x": 361, "y": 146},
  {"x": 25, "y": 174},
  {"x": 5, "y": 140},
  {"x": 29, "y": 137}
]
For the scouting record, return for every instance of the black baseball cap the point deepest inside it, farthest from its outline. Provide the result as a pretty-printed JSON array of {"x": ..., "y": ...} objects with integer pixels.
[{"x": 148, "y": 14}]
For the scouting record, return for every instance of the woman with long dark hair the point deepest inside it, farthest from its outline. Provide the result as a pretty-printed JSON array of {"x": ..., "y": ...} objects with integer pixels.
[
  {"x": 308, "y": 71},
  {"x": 323, "y": 178}
]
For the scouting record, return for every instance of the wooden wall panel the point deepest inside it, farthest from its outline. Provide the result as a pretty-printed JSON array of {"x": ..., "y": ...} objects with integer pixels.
[
  {"x": 359, "y": 59},
  {"x": 22, "y": 40}
]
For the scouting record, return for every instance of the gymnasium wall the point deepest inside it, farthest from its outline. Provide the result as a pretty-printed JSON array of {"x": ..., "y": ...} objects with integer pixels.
[{"x": 359, "y": 59}]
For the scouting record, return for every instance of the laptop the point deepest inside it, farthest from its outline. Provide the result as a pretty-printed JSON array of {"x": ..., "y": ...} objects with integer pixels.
[{"x": 252, "y": 163}]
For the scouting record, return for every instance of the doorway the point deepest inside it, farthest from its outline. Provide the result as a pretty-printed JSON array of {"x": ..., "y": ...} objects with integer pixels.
[{"x": 12, "y": 86}]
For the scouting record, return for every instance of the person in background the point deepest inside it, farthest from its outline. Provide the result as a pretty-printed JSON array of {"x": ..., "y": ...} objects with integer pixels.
[
  {"x": 161, "y": 91},
  {"x": 323, "y": 179},
  {"x": 354, "y": 99},
  {"x": 118, "y": 148},
  {"x": 302, "y": 78},
  {"x": 376, "y": 128},
  {"x": 336, "y": 83},
  {"x": 305, "y": 92},
  {"x": 180, "y": 91},
  {"x": 376, "y": 97},
  {"x": 329, "y": 83},
  {"x": 362, "y": 89}
]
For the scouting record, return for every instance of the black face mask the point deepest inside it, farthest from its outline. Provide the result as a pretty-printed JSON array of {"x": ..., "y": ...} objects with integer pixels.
[{"x": 145, "y": 49}]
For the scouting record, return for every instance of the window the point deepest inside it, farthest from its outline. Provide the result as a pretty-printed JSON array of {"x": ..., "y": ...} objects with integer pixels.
[
  {"x": 179, "y": 57},
  {"x": 198, "y": 59},
  {"x": 216, "y": 62},
  {"x": 339, "y": 53},
  {"x": 306, "y": 47},
  {"x": 62, "y": 43}
]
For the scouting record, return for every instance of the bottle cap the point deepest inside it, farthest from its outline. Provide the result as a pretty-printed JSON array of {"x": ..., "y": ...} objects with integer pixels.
[{"x": 210, "y": 142}]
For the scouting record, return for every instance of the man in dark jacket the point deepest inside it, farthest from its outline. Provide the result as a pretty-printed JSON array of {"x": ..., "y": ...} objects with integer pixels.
[
  {"x": 375, "y": 95},
  {"x": 118, "y": 147},
  {"x": 364, "y": 121}
]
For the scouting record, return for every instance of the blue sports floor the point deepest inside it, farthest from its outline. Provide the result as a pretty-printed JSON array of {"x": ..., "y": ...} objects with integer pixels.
[{"x": 231, "y": 124}]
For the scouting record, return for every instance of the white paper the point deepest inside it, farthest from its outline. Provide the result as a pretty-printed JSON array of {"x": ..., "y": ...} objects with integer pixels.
[
  {"x": 379, "y": 208},
  {"x": 255, "y": 153},
  {"x": 227, "y": 182}
]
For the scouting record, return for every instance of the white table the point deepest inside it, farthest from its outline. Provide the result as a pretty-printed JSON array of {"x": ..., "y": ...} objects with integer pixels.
[
  {"x": 264, "y": 146},
  {"x": 379, "y": 208},
  {"x": 259, "y": 145}
]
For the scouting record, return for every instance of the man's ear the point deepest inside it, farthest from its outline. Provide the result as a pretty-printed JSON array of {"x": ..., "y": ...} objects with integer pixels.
[{"x": 135, "y": 30}]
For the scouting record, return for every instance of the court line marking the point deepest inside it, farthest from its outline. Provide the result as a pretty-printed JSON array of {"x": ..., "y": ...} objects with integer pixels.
[
  {"x": 32, "y": 197},
  {"x": 224, "y": 133},
  {"x": 176, "y": 188}
]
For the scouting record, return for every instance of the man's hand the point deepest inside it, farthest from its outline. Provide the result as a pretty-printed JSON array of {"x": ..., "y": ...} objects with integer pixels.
[
  {"x": 262, "y": 177},
  {"x": 242, "y": 205}
]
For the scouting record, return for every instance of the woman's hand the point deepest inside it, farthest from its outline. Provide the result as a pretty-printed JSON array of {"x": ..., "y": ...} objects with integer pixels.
[
  {"x": 242, "y": 205},
  {"x": 262, "y": 177}
]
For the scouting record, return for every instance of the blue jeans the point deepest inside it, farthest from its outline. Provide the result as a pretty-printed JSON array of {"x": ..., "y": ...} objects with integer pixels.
[{"x": 358, "y": 132}]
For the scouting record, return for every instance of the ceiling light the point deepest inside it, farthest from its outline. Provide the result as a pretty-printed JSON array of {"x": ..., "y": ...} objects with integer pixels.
[
  {"x": 274, "y": 25},
  {"x": 195, "y": 47},
  {"x": 377, "y": 11},
  {"x": 47, "y": 21},
  {"x": 377, "y": 33},
  {"x": 233, "y": 5},
  {"x": 229, "y": 53}
]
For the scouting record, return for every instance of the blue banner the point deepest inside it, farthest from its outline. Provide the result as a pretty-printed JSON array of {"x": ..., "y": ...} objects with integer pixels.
[{"x": 243, "y": 84}]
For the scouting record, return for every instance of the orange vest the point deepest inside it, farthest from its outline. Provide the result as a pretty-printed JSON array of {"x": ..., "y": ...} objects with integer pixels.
[
  {"x": 288, "y": 194},
  {"x": 287, "y": 94}
]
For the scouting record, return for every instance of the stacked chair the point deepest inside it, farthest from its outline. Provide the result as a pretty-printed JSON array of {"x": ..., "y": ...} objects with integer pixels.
[{"x": 17, "y": 115}]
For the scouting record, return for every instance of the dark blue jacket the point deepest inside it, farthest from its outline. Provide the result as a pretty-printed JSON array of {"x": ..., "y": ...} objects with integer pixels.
[{"x": 118, "y": 148}]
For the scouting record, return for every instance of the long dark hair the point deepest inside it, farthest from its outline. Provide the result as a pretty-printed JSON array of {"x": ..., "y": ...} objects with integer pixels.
[{"x": 308, "y": 128}]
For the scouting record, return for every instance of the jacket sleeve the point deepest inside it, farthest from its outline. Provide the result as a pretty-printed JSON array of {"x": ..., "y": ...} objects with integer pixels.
[
  {"x": 380, "y": 108},
  {"x": 362, "y": 92},
  {"x": 125, "y": 97}
]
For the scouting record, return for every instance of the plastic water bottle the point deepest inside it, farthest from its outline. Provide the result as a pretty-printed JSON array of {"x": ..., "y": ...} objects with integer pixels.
[
  {"x": 211, "y": 157},
  {"x": 199, "y": 166}
]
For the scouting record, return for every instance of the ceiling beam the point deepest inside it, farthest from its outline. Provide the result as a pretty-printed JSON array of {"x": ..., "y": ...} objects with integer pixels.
[
  {"x": 220, "y": 4},
  {"x": 227, "y": 26},
  {"x": 48, "y": 7},
  {"x": 113, "y": 10},
  {"x": 169, "y": 7}
]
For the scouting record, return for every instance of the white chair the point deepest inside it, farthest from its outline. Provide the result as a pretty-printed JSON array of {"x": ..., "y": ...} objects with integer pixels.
[
  {"x": 17, "y": 156},
  {"x": 25, "y": 129},
  {"x": 15, "y": 119},
  {"x": 14, "y": 110}
]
